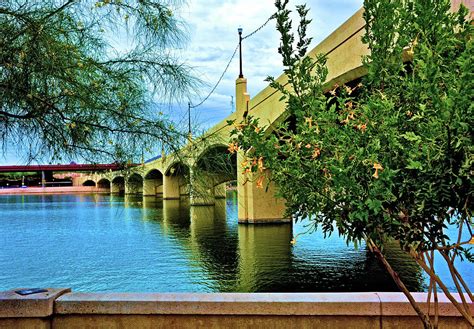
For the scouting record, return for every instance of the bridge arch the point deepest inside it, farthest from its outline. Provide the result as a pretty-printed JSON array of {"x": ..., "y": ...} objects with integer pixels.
[
  {"x": 217, "y": 161},
  {"x": 118, "y": 185},
  {"x": 214, "y": 167},
  {"x": 134, "y": 184},
  {"x": 104, "y": 183},
  {"x": 153, "y": 183},
  {"x": 89, "y": 182}
]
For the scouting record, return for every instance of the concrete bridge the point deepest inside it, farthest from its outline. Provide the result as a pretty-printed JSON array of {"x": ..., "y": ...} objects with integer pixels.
[{"x": 202, "y": 167}]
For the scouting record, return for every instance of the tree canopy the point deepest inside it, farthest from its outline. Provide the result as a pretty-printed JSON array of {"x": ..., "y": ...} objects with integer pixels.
[
  {"x": 389, "y": 157},
  {"x": 73, "y": 86}
]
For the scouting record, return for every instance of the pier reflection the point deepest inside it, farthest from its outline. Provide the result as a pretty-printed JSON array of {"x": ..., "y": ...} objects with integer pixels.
[
  {"x": 264, "y": 255},
  {"x": 214, "y": 245},
  {"x": 260, "y": 258},
  {"x": 131, "y": 243},
  {"x": 176, "y": 220}
]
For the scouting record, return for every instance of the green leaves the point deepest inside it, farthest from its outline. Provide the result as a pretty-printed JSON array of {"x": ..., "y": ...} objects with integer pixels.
[
  {"x": 414, "y": 165},
  {"x": 385, "y": 157},
  {"x": 57, "y": 69},
  {"x": 411, "y": 136}
]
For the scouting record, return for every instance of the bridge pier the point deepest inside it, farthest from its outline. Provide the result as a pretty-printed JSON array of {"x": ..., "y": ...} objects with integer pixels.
[
  {"x": 220, "y": 191},
  {"x": 153, "y": 187},
  {"x": 171, "y": 187},
  {"x": 255, "y": 205},
  {"x": 134, "y": 184},
  {"x": 153, "y": 183},
  {"x": 202, "y": 189},
  {"x": 117, "y": 185},
  {"x": 259, "y": 205},
  {"x": 116, "y": 188}
]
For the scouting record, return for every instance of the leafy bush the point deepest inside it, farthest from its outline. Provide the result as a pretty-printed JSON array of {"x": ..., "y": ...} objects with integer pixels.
[{"x": 386, "y": 158}]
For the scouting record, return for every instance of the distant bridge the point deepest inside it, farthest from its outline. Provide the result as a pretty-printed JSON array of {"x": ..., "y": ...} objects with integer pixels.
[
  {"x": 63, "y": 167},
  {"x": 47, "y": 171}
]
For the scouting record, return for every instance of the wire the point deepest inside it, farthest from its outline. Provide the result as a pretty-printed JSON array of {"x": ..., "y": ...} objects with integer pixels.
[
  {"x": 259, "y": 28},
  {"x": 218, "y": 81},
  {"x": 230, "y": 61}
]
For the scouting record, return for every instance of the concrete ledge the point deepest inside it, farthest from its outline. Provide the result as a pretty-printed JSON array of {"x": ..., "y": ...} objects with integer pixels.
[
  {"x": 396, "y": 304},
  {"x": 367, "y": 304},
  {"x": 58, "y": 308},
  {"x": 13, "y": 305},
  {"x": 213, "y": 321}
]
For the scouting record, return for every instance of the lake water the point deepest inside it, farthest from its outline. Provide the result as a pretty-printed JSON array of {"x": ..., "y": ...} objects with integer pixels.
[{"x": 100, "y": 243}]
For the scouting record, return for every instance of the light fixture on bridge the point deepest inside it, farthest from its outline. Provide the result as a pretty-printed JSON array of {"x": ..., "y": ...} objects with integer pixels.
[
  {"x": 190, "y": 136},
  {"x": 240, "y": 51}
]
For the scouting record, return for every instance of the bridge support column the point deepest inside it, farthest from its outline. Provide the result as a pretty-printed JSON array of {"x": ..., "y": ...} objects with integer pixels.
[
  {"x": 202, "y": 189},
  {"x": 220, "y": 191},
  {"x": 258, "y": 205},
  {"x": 171, "y": 187},
  {"x": 116, "y": 188},
  {"x": 152, "y": 187},
  {"x": 255, "y": 205},
  {"x": 135, "y": 189}
]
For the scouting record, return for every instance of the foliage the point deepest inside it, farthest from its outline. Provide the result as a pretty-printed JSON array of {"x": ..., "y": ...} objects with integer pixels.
[
  {"x": 389, "y": 157},
  {"x": 16, "y": 175},
  {"x": 67, "y": 93}
]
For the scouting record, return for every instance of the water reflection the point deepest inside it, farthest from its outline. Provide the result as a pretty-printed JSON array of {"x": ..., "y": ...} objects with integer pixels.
[
  {"x": 264, "y": 256},
  {"x": 214, "y": 245},
  {"x": 130, "y": 243}
]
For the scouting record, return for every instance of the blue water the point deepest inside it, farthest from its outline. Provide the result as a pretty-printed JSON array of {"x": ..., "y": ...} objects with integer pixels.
[{"x": 129, "y": 244}]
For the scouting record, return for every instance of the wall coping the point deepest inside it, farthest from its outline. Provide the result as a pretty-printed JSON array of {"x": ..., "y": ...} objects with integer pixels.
[
  {"x": 353, "y": 304},
  {"x": 220, "y": 303},
  {"x": 61, "y": 301},
  {"x": 396, "y": 304},
  {"x": 13, "y": 305}
]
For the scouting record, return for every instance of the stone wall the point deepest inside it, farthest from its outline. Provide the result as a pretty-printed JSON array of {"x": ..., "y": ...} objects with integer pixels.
[{"x": 61, "y": 308}]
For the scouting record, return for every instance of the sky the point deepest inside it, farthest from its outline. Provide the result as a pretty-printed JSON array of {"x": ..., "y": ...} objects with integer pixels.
[
  {"x": 213, "y": 37},
  {"x": 212, "y": 31}
]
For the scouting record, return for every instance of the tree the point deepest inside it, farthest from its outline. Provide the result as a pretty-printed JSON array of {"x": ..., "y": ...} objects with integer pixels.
[
  {"x": 67, "y": 93},
  {"x": 389, "y": 158}
]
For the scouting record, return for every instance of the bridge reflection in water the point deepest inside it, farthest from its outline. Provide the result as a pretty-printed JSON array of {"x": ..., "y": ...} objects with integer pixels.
[
  {"x": 129, "y": 243},
  {"x": 251, "y": 258}
]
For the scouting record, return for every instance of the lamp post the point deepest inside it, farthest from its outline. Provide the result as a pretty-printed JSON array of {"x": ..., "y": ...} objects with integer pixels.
[
  {"x": 240, "y": 51},
  {"x": 189, "y": 122}
]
